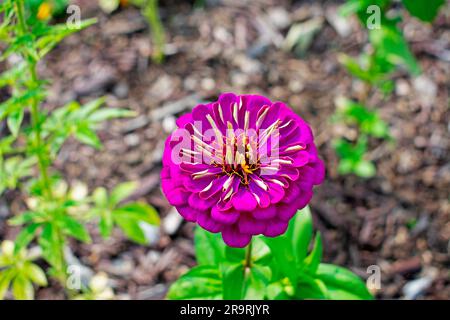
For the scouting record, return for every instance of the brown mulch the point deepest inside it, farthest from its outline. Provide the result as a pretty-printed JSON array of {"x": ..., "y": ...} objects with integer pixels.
[{"x": 398, "y": 220}]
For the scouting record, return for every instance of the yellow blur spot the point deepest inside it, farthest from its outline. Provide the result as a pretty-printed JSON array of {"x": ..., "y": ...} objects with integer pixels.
[{"x": 44, "y": 11}]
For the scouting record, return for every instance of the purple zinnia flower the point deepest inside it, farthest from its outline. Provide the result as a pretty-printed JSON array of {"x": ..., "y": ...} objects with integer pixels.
[{"x": 241, "y": 166}]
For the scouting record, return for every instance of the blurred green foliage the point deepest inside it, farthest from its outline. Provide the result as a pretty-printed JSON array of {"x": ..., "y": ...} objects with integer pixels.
[
  {"x": 375, "y": 68},
  {"x": 150, "y": 11},
  {"x": 56, "y": 212},
  {"x": 270, "y": 268}
]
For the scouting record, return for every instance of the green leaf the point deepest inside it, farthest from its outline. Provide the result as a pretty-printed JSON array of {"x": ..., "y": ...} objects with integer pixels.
[
  {"x": 369, "y": 121},
  {"x": 257, "y": 281},
  {"x": 131, "y": 228},
  {"x": 106, "y": 223},
  {"x": 233, "y": 281},
  {"x": 300, "y": 232},
  {"x": 25, "y": 236},
  {"x": 35, "y": 274},
  {"x": 209, "y": 247},
  {"x": 425, "y": 10},
  {"x": 342, "y": 283},
  {"x": 75, "y": 229},
  {"x": 52, "y": 246},
  {"x": 310, "y": 288},
  {"x": 87, "y": 136},
  {"x": 100, "y": 197},
  {"x": 110, "y": 113},
  {"x": 365, "y": 169},
  {"x": 391, "y": 46},
  {"x": 14, "y": 121},
  {"x": 24, "y": 218},
  {"x": 139, "y": 212},
  {"x": 22, "y": 288},
  {"x": 122, "y": 191},
  {"x": 276, "y": 291},
  {"x": 18, "y": 102},
  {"x": 260, "y": 251},
  {"x": 312, "y": 261},
  {"x": 202, "y": 282},
  {"x": 56, "y": 33},
  {"x": 86, "y": 110},
  {"x": 5, "y": 278},
  {"x": 235, "y": 254},
  {"x": 283, "y": 256},
  {"x": 354, "y": 68}
]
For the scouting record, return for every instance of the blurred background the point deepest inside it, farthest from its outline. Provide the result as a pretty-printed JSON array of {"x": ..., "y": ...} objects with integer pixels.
[{"x": 396, "y": 218}]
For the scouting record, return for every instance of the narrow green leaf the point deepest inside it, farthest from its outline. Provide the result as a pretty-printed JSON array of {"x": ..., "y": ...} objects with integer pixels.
[
  {"x": 87, "y": 136},
  {"x": 110, "y": 113},
  {"x": 14, "y": 121},
  {"x": 312, "y": 261},
  {"x": 310, "y": 288},
  {"x": 202, "y": 282},
  {"x": 100, "y": 197},
  {"x": 75, "y": 229},
  {"x": 391, "y": 46},
  {"x": 300, "y": 231},
  {"x": 131, "y": 228},
  {"x": 138, "y": 211},
  {"x": 22, "y": 288},
  {"x": 86, "y": 110},
  {"x": 52, "y": 246},
  {"x": 5, "y": 279},
  {"x": 257, "y": 282},
  {"x": 122, "y": 191},
  {"x": 106, "y": 223},
  {"x": 24, "y": 218},
  {"x": 25, "y": 236},
  {"x": 35, "y": 274}
]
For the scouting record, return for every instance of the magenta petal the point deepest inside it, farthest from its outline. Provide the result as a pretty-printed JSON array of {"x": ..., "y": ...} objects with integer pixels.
[
  {"x": 276, "y": 192},
  {"x": 188, "y": 213},
  {"x": 177, "y": 197},
  {"x": 303, "y": 199},
  {"x": 250, "y": 225},
  {"x": 243, "y": 200},
  {"x": 276, "y": 228},
  {"x": 200, "y": 204},
  {"x": 232, "y": 237},
  {"x": 214, "y": 187},
  {"x": 207, "y": 223},
  {"x": 184, "y": 120},
  {"x": 225, "y": 217},
  {"x": 291, "y": 193},
  {"x": 262, "y": 196},
  {"x": 286, "y": 212},
  {"x": 265, "y": 213}
]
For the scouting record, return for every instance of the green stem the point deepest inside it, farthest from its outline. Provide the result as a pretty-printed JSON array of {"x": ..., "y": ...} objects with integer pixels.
[
  {"x": 42, "y": 164},
  {"x": 248, "y": 256},
  {"x": 38, "y": 142},
  {"x": 151, "y": 12}
]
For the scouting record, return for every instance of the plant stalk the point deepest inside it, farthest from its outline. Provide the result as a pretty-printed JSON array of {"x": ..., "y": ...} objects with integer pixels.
[
  {"x": 43, "y": 168},
  {"x": 248, "y": 255}
]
